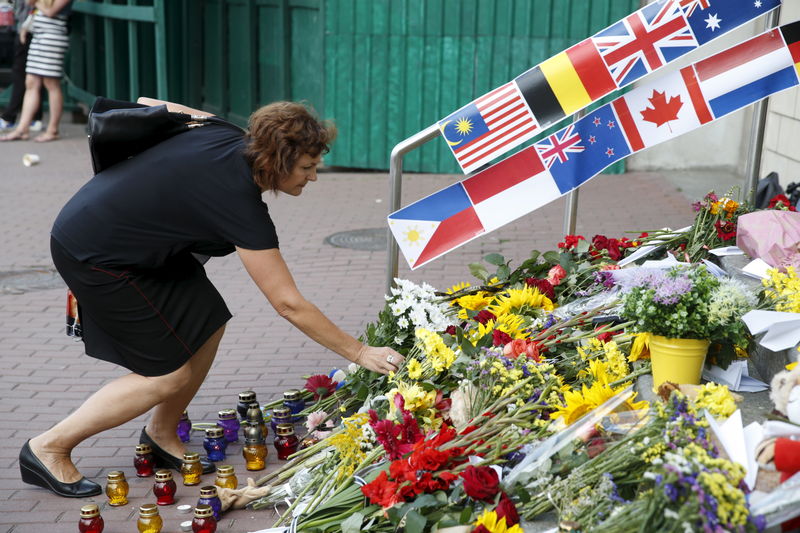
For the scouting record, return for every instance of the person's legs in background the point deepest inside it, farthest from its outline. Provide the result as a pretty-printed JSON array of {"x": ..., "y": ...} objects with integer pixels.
[
  {"x": 14, "y": 107},
  {"x": 31, "y": 102},
  {"x": 55, "y": 97}
]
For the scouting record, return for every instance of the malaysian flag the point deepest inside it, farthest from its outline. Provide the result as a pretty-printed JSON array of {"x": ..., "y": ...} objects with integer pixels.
[
  {"x": 645, "y": 41},
  {"x": 488, "y": 127},
  {"x": 559, "y": 145}
]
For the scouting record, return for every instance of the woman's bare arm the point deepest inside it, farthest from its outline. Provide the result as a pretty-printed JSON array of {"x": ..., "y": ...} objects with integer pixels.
[
  {"x": 172, "y": 106},
  {"x": 269, "y": 271}
]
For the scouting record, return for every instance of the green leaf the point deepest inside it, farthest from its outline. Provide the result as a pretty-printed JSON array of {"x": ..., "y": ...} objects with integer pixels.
[
  {"x": 415, "y": 522},
  {"x": 534, "y": 256},
  {"x": 424, "y": 500},
  {"x": 552, "y": 257},
  {"x": 466, "y": 515},
  {"x": 503, "y": 272},
  {"x": 582, "y": 246},
  {"x": 479, "y": 271},
  {"x": 353, "y": 523},
  {"x": 495, "y": 259},
  {"x": 395, "y": 513}
]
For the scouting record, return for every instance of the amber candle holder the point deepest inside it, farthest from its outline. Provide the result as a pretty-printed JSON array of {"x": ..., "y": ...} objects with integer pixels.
[
  {"x": 117, "y": 488},
  {"x": 255, "y": 454},
  {"x": 191, "y": 469},
  {"x": 149, "y": 520},
  {"x": 226, "y": 477}
]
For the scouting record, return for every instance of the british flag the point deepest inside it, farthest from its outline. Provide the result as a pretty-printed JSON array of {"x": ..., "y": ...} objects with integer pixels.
[
  {"x": 690, "y": 5},
  {"x": 558, "y": 146},
  {"x": 646, "y": 40}
]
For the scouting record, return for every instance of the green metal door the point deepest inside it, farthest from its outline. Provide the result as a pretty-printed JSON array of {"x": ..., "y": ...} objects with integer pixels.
[
  {"x": 394, "y": 67},
  {"x": 260, "y": 51}
]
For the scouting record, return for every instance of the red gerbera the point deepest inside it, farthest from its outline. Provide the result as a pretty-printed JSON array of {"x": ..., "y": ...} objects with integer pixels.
[
  {"x": 725, "y": 230},
  {"x": 321, "y": 385}
]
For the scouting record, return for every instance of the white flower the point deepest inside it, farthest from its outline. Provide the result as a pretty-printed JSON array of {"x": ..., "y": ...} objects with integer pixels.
[
  {"x": 403, "y": 322},
  {"x": 672, "y": 515},
  {"x": 419, "y": 318},
  {"x": 352, "y": 368},
  {"x": 687, "y": 527},
  {"x": 398, "y": 340}
]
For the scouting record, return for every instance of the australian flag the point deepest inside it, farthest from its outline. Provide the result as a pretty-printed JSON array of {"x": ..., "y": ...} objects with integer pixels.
[
  {"x": 710, "y": 18},
  {"x": 603, "y": 142},
  {"x": 645, "y": 41}
]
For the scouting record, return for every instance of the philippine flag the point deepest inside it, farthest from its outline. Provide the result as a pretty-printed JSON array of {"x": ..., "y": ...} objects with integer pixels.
[
  {"x": 445, "y": 220},
  {"x": 746, "y": 73}
]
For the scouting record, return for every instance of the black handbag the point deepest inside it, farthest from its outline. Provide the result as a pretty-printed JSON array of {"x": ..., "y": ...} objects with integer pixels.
[{"x": 119, "y": 130}]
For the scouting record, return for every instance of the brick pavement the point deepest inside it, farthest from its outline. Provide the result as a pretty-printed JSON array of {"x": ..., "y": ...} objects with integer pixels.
[{"x": 44, "y": 375}]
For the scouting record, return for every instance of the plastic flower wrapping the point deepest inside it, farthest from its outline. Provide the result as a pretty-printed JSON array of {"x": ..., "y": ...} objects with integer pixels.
[{"x": 520, "y": 398}]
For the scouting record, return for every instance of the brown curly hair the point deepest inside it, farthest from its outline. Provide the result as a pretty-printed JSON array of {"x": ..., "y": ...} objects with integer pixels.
[{"x": 278, "y": 135}]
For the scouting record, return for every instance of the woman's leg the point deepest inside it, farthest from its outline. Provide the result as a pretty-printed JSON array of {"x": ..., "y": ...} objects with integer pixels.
[
  {"x": 30, "y": 103},
  {"x": 56, "y": 99},
  {"x": 165, "y": 416},
  {"x": 118, "y": 402}
]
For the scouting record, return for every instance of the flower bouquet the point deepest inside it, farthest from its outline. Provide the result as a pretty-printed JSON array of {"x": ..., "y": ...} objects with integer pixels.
[{"x": 686, "y": 304}]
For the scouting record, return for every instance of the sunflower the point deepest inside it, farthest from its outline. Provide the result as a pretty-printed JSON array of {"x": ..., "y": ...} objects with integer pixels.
[
  {"x": 472, "y": 302},
  {"x": 578, "y": 403},
  {"x": 492, "y": 524},
  {"x": 514, "y": 325},
  {"x": 640, "y": 348},
  {"x": 525, "y": 301}
]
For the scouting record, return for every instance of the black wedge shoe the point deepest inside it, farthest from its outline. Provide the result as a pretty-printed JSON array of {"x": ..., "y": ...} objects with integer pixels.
[
  {"x": 166, "y": 459},
  {"x": 35, "y": 473}
]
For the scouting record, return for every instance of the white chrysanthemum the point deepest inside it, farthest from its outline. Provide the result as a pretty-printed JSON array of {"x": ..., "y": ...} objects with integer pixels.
[
  {"x": 402, "y": 322},
  {"x": 729, "y": 301}
]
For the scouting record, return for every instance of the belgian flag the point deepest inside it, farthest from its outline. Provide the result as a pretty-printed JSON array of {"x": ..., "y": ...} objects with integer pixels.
[
  {"x": 791, "y": 34},
  {"x": 566, "y": 83}
]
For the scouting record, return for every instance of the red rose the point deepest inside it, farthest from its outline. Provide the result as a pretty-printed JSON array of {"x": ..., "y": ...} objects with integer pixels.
[
  {"x": 555, "y": 275},
  {"x": 506, "y": 509},
  {"x": 451, "y": 330},
  {"x": 500, "y": 338},
  {"x": 613, "y": 250},
  {"x": 600, "y": 242},
  {"x": 524, "y": 347},
  {"x": 481, "y": 482}
]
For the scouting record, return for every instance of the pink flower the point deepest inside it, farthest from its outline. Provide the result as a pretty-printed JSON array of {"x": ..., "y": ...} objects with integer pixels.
[
  {"x": 316, "y": 421},
  {"x": 556, "y": 274}
]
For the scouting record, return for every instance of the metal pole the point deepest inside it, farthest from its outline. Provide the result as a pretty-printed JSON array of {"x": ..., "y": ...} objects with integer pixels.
[
  {"x": 571, "y": 212},
  {"x": 757, "y": 128},
  {"x": 395, "y": 187}
]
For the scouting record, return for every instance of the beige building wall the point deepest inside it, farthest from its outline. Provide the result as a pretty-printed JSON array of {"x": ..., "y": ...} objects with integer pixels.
[{"x": 782, "y": 137}]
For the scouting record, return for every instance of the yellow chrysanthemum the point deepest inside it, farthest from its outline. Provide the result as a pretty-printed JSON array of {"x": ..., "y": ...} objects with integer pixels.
[
  {"x": 578, "y": 403},
  {"x": 783, "y": 290},
  {"x": 437, "y": 353},
  {"x": 489, "y": 520},
  {"x": 348, "y": 444},
  {"x": 523, "y": 301},
  {"x": 414, "y": 368},
  {"x": 717, "y": 399}
]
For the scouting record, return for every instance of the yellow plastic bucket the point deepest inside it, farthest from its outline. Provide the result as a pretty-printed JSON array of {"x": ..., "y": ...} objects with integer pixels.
[{"x": 677, "y": 360}]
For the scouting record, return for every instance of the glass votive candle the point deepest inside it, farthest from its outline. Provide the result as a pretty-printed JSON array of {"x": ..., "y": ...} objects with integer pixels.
[
  {"x": 280, "y": 415},
  {"x": 204, "y": 521},
  {"x": 286, "y": 442},
  {"x": 255, "y": 454},
  {"x": 295, "y": 403},
  {"x": 149, "y": 520},
  {"x": 226, "y": 477},
  {"x": 164, "y": 488},
  {"x": 184, "y": 427},
  {"x": 252, "y": 431},
  {"x": 208, "y": 496},
  {"x": 191, "y": 469},
  {"x": 255, "y": 416},
  {"x": 228, "y": 421},
  {"x": 91, "y": 521},
  {"x": 215, "y": 444},
  {"x": 245, "y": 399},
  {"x": 143, "y": 461},
  {"x": 117, "y": 488}
]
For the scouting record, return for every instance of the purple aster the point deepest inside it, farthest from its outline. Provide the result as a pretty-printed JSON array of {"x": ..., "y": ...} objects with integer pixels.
[{"x": 670, "y": 290}]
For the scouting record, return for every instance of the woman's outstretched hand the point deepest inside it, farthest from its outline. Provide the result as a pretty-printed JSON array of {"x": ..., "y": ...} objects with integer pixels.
[{"x": 379, "y": 359}]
